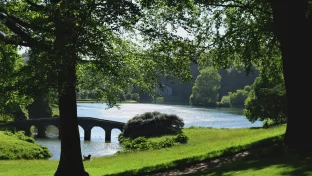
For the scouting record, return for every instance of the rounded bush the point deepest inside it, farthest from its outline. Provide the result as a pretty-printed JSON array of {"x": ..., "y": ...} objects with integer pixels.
[
  {"x": 151, "y": 124},
  {"x": 181, "y": 138}
]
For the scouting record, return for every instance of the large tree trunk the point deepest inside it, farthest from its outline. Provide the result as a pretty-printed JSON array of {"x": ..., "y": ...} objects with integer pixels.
[
  {"x": 71, "y": 158},
  {"x": 65, "y": 43},
  {"x": 293, "y": 31}
]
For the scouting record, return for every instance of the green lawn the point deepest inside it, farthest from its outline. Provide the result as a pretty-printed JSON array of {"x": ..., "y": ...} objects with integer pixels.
[{"x": 204, "y": 143}]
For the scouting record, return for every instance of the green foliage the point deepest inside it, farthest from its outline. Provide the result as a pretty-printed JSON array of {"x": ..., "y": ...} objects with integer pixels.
[
  {"x": 20, "y": 135},
  {"x": 152, "y": 124},
  {"x": 205, "y": 89},
  {"x": 231, "y": 34},
  {"x": 247, "y": 88},
  {"x": 15, "y": 145},
  {"x": 142, "y": 143},
  {"x": 267, "y": 123},
  {"x": 238, "y": 98},
  {"x": 236, "y": 78},
  {"x": 12, "y": 100},
  {"x": 135, "y": 97},
  {"x": 226, "y": 101},
  {"x": 181, "y": 138},
  {"x": 267, "y": 99}
]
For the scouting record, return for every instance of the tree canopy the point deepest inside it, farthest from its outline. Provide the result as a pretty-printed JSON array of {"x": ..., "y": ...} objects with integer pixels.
[
  {"x": 206, "y": 86},
  {"x": 83, "y": 44}
]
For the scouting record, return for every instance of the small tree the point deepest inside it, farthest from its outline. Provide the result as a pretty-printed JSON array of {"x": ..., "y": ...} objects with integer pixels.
[
  {"x": 267, "y": 100},
  {"x": 205, "y": 89}
]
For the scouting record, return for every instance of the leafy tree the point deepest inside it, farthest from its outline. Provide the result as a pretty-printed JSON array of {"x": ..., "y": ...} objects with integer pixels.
[
  {"x": 267, "y": 100},
  {"x": 258, "y": 32},
  {"x": 12, "y": 102},
  {"x": 76, "y": 39},
  {"x": 206, "y": 86},
  {"x": 253, "y": 32}
]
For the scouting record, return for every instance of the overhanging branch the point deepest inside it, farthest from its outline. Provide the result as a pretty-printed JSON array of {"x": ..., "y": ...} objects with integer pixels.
[
  {"x": 25, "y": 38},
  {"x": 11, "y": 41}
]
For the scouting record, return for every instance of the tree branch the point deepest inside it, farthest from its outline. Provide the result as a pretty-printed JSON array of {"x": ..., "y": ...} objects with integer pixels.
[
  {"x": 11, "y": 41},
  {"x": 14, "y": 26},
  {"x": 24, "y": 24}
]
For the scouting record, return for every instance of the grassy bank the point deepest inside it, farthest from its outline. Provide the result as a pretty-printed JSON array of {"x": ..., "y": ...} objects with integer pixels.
[
  {"x": 266, "y": 162},
  {"x": 204, "y": 143},
  {"x": 19, "y": 146}
]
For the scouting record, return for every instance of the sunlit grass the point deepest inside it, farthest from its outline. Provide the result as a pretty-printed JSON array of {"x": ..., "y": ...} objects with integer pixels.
[{"x": 203, "y": 144}]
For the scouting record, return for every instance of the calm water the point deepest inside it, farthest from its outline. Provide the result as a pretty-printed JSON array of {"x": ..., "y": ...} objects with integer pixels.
[{"x": 192, "y": 116}]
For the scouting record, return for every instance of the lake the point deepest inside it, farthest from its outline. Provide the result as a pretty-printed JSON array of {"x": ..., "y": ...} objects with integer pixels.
[{"x": 192, "y": 116}]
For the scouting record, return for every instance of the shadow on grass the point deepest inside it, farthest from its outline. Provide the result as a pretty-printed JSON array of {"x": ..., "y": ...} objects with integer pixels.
[
  {"x": 185, "y": 162},
  {"x": 272, "y": 159}
]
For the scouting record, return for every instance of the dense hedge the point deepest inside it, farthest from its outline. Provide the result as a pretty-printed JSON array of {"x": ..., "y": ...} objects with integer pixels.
[{"x": 151, "y": 124}]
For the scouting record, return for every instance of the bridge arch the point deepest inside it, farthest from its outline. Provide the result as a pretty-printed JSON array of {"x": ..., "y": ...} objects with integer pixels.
[
  {"x": 115, "y": 134},
  {"x": 81, "y": 132},
  {"x": 33, "y": 131},
  {"x": 51, "y": 130},
  {"x": 98, "y": 132}
]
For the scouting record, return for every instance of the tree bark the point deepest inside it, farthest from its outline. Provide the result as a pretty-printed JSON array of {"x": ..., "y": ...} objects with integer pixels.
[
  {"x": 71, "y": 158},
  {"x": 65, "y": 51},
  {"x": 293, "y": 32}
]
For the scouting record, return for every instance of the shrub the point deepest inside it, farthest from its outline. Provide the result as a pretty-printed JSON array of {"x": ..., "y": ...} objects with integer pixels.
[
  {"x": 152, "y": 124},
  {"x": 181, "y": 138},
  {"x": 135, "y": 97}
]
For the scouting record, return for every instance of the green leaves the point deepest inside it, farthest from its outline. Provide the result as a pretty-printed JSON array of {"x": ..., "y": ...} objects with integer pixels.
[{"x": 205, "y": 89}]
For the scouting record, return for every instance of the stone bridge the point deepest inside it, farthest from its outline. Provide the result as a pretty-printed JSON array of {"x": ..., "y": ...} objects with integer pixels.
[{"x": 87, "y": 123}]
